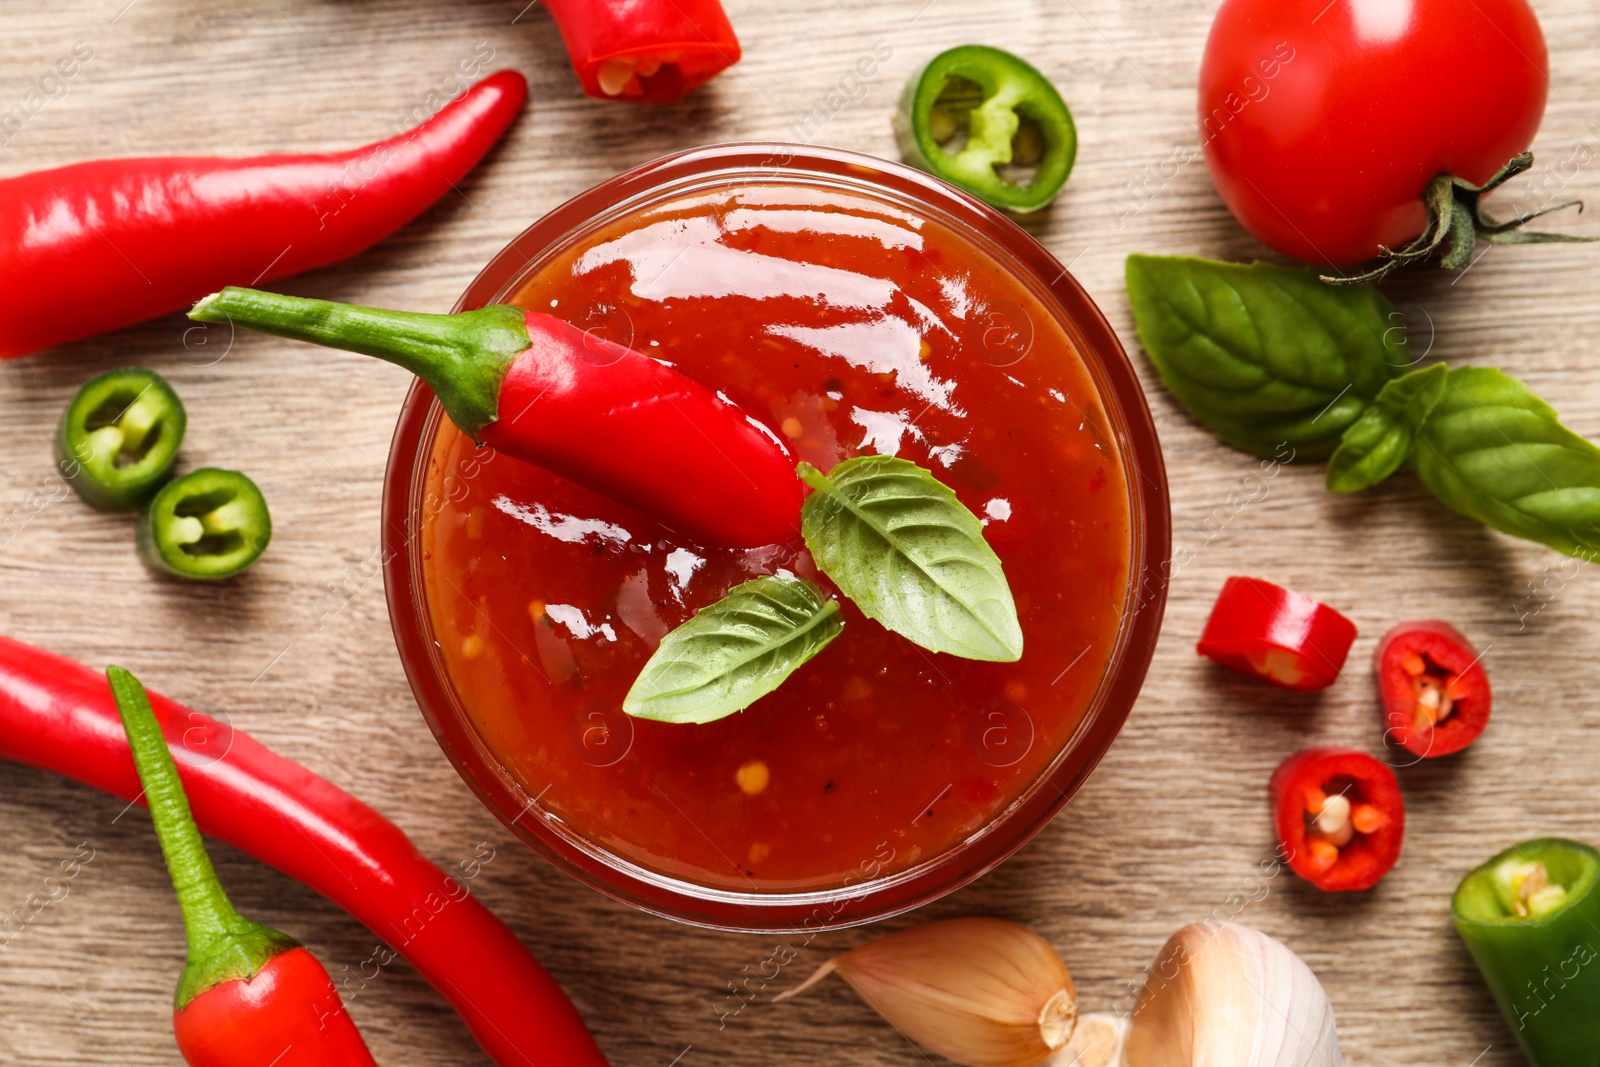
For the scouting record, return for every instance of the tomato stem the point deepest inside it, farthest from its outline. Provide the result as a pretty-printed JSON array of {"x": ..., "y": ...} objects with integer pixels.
[{"x": 1457, "y": 220}]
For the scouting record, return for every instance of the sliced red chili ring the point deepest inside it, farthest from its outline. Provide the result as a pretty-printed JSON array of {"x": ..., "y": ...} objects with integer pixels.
[
  {"x": 207, "y": 525},
  {"x": 1340, "y": 817},
  {"x": 1276, "y": 635},
  {"x": 119, "y": 437},
  {"x": 1435, "y": 691}
]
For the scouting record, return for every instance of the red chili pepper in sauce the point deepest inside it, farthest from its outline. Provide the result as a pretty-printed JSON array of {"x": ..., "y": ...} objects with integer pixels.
[
  {"x": 1276, "y": 635},
  {"x": 59, "y": 716},
  {"x": 1340, "y": 817},
  {"x": 249, "y": 996},
  {"x": 1435, "y": 691},
  {"x": 100, "y": 245},
  {"x": 588, "y": 409},
  {"x": 648, "y": 51}
]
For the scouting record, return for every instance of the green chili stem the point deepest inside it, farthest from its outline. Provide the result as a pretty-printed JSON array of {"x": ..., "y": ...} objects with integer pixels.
[
  {"x": 207, "y": 912},
  {"x": 222, "y": 944},
  {"x": 462, "y": 357}
]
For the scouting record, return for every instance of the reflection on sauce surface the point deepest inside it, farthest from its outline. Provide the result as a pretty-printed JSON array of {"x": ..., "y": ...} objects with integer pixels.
[{"x": 848, "y": 326}]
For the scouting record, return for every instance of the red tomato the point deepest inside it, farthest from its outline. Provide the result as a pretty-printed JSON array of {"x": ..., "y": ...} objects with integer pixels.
[{"x": 1324, "y": 120}]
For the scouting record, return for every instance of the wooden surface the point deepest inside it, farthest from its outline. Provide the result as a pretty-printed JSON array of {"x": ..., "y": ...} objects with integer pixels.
[{"x": 1173, "y": 825}]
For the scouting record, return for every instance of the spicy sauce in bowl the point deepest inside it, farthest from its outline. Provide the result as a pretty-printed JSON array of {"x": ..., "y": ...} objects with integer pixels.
[{"x": 854, "y": 307}]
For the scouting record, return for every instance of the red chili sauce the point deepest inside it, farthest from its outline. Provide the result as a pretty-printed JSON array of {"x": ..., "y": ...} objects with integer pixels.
[{"x": 850, "y": 327}]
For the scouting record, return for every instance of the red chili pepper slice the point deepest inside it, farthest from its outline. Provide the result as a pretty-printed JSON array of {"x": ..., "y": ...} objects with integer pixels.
[
  {"x": 59, "y": 716},
  {"x": 100, "y": 245},
  {"x": 1435, "y": 690},
  {"x": 647, "y": 51},
  {"x": 1340, "y": 817},
  {"x": 1276, "y": 635}
]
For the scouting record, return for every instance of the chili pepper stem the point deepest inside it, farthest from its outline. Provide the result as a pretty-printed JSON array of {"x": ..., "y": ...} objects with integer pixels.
[
  {"x": 463, "y": 357},
  {"x": 222, "y": 944}
]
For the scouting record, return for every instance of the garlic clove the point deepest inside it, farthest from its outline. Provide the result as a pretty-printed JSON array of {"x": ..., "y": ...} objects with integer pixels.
[
  {"x": 1097, "y": 1042},
  {"x": 982, "y": 992},
  {"x": 1225, "y": 995}
]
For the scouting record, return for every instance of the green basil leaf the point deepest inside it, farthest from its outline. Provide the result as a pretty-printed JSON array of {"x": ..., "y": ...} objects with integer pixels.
[
  {"x": 733, "y": 652},
  {"x": 1495, "y": 452},
  {"x": 1265, "y": 355},
  {"x": 1380, "y": 440},
  {"x": 895, "y": 540}
]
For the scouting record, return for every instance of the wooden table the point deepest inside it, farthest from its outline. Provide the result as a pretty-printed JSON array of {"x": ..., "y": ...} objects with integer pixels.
[{"x": 1172, "y": 826}]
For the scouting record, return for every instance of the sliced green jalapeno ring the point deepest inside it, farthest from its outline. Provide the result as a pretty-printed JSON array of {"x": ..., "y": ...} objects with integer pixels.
[
  {"x": 119, "y": 437},
  {"x": 206, "y": 525},
  {"x": 1531, "y": 919},
  {"x": 1013, "y": 119}
]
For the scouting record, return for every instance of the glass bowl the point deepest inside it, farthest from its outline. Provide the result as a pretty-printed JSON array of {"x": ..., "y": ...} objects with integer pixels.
[{"x": 1128, "y": 422}]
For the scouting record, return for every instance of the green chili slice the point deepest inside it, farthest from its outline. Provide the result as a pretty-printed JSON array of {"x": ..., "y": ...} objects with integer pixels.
[
  {"x": 1531, "y": 919},
  {"x": 119, "y": 437},
  {"x": 980, "y": 118},
  {"x": 206, "y": 525}
]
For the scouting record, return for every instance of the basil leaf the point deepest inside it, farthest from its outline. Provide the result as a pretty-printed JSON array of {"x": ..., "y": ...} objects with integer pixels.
[
  {"x": 895, "y": 540},
  {"x": 1495, "y": 452},
  {"x": 1378, "y": 442},
  {"x": 733, "y": 652},
  {"x": 1265, "y": 355}
]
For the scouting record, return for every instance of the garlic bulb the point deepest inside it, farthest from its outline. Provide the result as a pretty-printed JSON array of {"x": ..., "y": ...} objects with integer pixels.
[
  {"x": 1224, "y": 995},
  {"x": 982, "y": 992}
]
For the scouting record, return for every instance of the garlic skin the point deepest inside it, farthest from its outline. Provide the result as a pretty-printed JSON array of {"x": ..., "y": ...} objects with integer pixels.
[
  {"x": 982, "y": 992},
  {"x": 1097, "y": 1042},
  {"x": 1225, "y": 995}
]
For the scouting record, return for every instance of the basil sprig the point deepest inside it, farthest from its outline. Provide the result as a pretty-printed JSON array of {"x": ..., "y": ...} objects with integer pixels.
[
  {"x": 1379, "y": 441},
  {"x": 1495, "y": 452},
  {"x": 1265, "y": 355},
  {"x": 898, "y": 543},
  {"x": 733, "y": 652},
  {"x": 1252, "y": 350}
]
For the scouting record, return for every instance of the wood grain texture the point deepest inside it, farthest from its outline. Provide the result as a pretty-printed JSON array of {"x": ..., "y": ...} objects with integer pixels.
[{"x": 1173, "y": 825}]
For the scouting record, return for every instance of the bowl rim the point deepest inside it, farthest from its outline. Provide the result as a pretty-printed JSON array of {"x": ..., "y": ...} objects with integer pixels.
[{"x": 1129, "y": 420}]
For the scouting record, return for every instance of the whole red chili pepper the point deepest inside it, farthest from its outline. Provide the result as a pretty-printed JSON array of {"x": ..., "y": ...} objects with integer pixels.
[
  {"x": 1277, "y": 635},
  {"x": 100, "y": 245},
  {"x": 588, "y": 409},
  {"x": 1340, "y": 817},
  {"x": 249, "y": 996},
  {"x": 649, "y": 51},
  {"x": 59, "y": 716},
  {"x": 1435, "y": 691}
]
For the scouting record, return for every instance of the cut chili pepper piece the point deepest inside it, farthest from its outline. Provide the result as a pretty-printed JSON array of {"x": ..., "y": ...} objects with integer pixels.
[
  {"x": 248, "y": 994},
  {"x": 59, "y": 716},
  {"x": 100, "y": 245},
  {"x": 1012, "y": 119},
  {"x": 119, "y": 437},
  {"x": 586, "y": 408},
  {"x": 209, "y": 524},
  {"x": 1435, "y": 691},
  {"x": 646, "y": 51},
  {"x": 1276, "y": 635},
  {"x": 1531, "y": 919},
  {"x": 1340, "y": 817}
]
